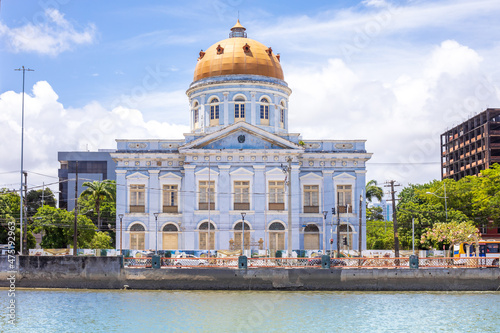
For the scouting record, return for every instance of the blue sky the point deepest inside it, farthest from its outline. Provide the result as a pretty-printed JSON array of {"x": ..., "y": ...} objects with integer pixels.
[{"x": 397, "y": 73}]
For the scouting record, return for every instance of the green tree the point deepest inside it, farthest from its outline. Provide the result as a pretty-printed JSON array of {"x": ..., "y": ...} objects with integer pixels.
[
  {"x": 101, "y": 240},
  {"x": 379, "y": 235},
  {"x": 99, "y": 192},
  {"x": 35, "y": 198},
  {"x": 4, "y": 238},
  {"x": 373, "y": 191},
  {"x": 374, "y": 214},
  {"x": 449, "y": 234},
  {"x": 9, "y": 212},
  {"x": 57, "y": 225},
  {"x": 10, "y": 203}
]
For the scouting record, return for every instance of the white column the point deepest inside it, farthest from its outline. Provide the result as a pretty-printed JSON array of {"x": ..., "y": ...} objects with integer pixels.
[
  {"x": 203, "y": 114},
  {"x": 153, "y": 207},
  {"x": 276, "y": 114},
  {"x": 226, "y": 109},
  {"x": 253, "y": 115},
  {"x": 121, "y": 207}
]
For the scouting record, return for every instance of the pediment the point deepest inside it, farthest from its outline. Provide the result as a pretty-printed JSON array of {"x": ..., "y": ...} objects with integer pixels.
[
  {"x": 275, "y": 172},
  {"x": 205, "y": 171},
  {"x": 241, "y": 135},
  {"x": 344, "y": 175},
  {"x": 241, "y": 172},
  {"x": 310, "y": 175},
  {"x": 170, "y": 175},
  {"x": 137, "y": 175}
]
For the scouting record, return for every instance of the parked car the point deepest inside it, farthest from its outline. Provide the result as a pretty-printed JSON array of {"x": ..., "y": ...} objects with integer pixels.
[{"x": 189, "y": 260}]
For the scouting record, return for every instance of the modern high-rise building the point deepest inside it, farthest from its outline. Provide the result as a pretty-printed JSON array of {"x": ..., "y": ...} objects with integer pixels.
[
  {"x": 91, "y": 166},
  {"x": 472, "y": 146},
  {"x": 240, "y": 176}
]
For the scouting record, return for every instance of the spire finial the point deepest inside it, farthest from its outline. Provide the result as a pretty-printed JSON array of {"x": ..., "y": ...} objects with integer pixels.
[{"x": 238, "y": 30}]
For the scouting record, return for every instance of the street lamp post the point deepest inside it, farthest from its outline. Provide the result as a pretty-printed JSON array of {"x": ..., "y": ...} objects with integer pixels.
[
  {"x": 21, "y": 211},
  {"x": 325, "y": 213},
  {"x": 120, "y": 216},
  {"x": 243, "y": 233},
  {"x": 156, "y": 232}
]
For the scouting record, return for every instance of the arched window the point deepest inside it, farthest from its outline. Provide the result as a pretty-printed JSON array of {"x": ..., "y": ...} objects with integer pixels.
[
  {"x": 206, "y": 238},
  {"x": 170, "y": 237},
  {"x": 311, "y": 237},
  {"x": 237, "y": 236},
  {"x": 214, "y": 111},
  {"x": 137, "y": 237},
  {"x": 264, "y": 111},
  {"x": 282, "y": 114},
  {"x": 239, "y": 109},
  {"x": 276, "y": 237},
  {"x": 196, "y": 115}
]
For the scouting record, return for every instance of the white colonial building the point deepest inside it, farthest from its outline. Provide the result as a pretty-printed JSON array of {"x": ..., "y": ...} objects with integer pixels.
[{"x": 189, "y": 194}]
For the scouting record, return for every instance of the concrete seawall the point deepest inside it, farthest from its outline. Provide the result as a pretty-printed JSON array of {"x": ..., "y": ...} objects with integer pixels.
[{"x": 106, "y": 273}]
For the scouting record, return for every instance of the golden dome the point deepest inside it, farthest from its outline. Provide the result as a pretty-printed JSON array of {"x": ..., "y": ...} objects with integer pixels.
[{"x": 238, "y": 55}]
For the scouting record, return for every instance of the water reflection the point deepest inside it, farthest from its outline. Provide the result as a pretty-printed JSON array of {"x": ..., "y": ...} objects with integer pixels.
[{"x": 252, "y": 311}]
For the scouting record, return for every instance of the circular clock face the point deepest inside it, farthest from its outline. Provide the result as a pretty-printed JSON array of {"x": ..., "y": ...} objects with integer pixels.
[{"x": 241, "y": 139}]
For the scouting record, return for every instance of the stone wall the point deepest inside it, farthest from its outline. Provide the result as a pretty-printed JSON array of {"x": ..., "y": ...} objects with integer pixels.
[{"x": 106, "y": 273}]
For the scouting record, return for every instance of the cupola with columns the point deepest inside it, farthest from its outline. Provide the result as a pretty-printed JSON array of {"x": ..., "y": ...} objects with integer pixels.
[{"x": 238, "y": 79}]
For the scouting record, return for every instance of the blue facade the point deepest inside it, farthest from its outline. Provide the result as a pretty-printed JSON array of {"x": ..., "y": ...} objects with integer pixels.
[{"x": 232, "y": 163}]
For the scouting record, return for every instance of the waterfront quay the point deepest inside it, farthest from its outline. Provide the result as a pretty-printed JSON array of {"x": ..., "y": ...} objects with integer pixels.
[{"x": 110, "y": 273}]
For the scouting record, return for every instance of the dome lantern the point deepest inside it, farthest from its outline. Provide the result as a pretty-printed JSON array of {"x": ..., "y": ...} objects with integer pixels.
[
  {"x": 238, "y": 55},
  {"x": 238, "y": 31}
]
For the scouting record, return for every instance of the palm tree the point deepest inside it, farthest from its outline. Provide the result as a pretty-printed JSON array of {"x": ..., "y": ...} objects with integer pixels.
[
  {"x": 98, "y": 192},
  {"x": 373, "y": 191}
]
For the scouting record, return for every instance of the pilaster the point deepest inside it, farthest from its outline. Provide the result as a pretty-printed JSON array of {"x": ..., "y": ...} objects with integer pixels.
[
  {"x": 226, "y": 108},
  {"x": 253, "y": 114}
]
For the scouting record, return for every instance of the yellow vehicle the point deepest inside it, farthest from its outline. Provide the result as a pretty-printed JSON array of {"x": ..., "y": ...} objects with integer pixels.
[{"x": 487, "y": 249}]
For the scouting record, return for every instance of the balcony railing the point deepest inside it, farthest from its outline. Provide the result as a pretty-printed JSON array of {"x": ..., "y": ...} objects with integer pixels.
[
  {"x": 137, "y": 209},
  {"x": 276, "y": 206},
  {"x": 204, "y": 206},
  {"x": 342, "y": 209},
  {"x": 311, "y": 209},
  {"x": 241, "y": 206},
  {"x": 170, "y": 209}
]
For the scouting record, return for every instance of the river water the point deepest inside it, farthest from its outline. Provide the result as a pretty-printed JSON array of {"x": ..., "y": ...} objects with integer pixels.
[{"x": 43, "y": 310}]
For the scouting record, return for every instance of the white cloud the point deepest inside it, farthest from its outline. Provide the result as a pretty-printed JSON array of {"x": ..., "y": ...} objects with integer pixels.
[
  {"x": 401, "y": 118},
  {"x": 51, "y": 127},
  {"x": 50, "y": 37},
  {"x": 375, "y": 3}
]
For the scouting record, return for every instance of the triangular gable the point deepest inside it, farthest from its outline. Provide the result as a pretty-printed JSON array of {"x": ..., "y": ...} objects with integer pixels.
[
  {"x": 242, "y": 172},
  {"x": 275, "y": 172},
  {"x": 204, "y": 171},
  {"x": 247, "y": 128},
  {"x": 310, "y": 175},
  {"x": 170, "y": 175},
  {"x": 137, "y": 175},
  {"x": 344, "y": 175}
]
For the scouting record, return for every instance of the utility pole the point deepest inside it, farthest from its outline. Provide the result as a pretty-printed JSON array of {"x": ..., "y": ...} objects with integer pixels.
[
  {"x": 360, "y": 238},
  {"x": 338, "y": 224},
  {"x": 288, "y": 170},
  {"x": 391, "y": 184},
  {"x": 75, "y": 231},
  {"x": 289, "y": 160},
  {"x": 22, "y": 160},
  {"x": 25, "y": 232},
  {"x": 209, "y": 203}
]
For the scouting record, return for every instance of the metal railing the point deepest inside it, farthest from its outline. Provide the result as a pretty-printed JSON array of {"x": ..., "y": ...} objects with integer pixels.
[{"x": 316, "y": 262}]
